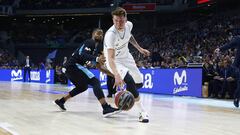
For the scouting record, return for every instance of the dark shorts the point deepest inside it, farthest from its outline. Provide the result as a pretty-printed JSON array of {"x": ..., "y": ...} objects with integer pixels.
[{"x": 79, "y": 75}]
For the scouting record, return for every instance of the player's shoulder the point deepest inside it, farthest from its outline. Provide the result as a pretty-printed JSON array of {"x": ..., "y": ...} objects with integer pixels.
[
  {"x": 89, "y": 42},
  {"x": 129, "y": 23},
  {"x": 112, "y": 31}
]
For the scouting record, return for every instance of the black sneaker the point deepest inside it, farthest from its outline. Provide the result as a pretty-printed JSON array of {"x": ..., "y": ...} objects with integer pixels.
[
  {"x": 236, "y": 102},
  {"x": 60, "y": 105},
  {"x": 109, "y": 111}
]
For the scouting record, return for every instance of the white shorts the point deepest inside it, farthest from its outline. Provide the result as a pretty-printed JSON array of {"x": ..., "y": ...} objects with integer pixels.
[{"x": 127, "y": 65}]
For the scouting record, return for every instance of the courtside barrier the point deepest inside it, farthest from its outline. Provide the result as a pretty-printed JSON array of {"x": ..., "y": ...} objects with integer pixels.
[
  {"x": 39, "y": 76},
  {"x": 182, "y": 82}
]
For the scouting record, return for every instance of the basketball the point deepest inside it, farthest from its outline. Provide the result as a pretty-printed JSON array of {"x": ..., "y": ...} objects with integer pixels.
[{"x": 124, "y": 100}]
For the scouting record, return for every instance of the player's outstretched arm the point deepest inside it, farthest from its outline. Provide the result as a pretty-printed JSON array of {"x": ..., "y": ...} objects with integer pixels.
[
  {"x": 232, "y": 44},
  {"x": 103, "y": 69},
  {"x": 138, "y": 47}
]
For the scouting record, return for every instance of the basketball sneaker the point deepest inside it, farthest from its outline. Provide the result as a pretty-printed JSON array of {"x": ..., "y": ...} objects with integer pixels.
[
  {"x": 143, "y": 117},
  {"x": 60, "y": 105},
  {"x": 236, "y": 102},
  {"x": 109, "y": 111}
]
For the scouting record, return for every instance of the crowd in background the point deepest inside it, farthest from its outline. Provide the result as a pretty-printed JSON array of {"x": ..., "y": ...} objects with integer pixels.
[
  {"x": 158, "y": 2},
  {"x": 185, "y": 40},
  {"x": 7, "y": 60},
  {"x": 6, "y": 2},
  {"x": 62, "y": 4},
  {"x": 171, "y": 46}
]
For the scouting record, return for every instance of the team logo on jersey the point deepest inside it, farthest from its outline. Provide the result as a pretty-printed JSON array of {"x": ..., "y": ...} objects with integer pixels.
[{"x": 87, "y": 49}]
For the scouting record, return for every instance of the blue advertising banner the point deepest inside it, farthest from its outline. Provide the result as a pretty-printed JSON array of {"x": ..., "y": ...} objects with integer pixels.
[
  {"x": 101, "y": 76},
  {"x": 40, "y": 76},
  {"x": 182, "y": 82}
]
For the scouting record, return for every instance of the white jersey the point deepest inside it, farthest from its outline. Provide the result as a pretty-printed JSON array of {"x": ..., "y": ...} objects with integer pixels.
[
  {"x": 118, "y": 40},
  {"x": 123, "y": 59}
]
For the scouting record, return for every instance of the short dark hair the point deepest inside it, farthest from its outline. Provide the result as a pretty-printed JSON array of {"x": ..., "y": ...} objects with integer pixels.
[
  {"x": 119, "y": 12},
  {"x": 96, "y": 30}
]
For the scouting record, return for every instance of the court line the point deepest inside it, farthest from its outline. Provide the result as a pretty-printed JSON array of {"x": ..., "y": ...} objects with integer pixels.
[{"x": 6, "y": 126}]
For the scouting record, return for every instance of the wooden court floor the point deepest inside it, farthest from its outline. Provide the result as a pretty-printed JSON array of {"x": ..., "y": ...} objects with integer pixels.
[{"x": 27, "y": 109}]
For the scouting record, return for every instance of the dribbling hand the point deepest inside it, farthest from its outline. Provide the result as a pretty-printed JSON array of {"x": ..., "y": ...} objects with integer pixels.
[
  {"x": 118, "y": 81},
  {"x": 145, "y": 52}
]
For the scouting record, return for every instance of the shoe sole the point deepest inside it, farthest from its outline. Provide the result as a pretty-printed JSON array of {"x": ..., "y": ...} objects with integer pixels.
[
  {"x": 58, "y": 106},
  {"x": 111, "y": 114},
  {"x": 144, "y": 121}
]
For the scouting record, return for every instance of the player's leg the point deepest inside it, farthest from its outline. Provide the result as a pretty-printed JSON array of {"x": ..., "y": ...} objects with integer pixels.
[
  {"x": 29, "y": 74},
  {"x": 237, "y": 91},
  {"x": 123, "y": 69},
  {"x": 138, "y": 80},
  {"x": 78, "y": 78},
  {"x": 24, "y": 73},
  {"x": 110, "y": 83},
  {"x": 131, "y": 86},
  {"x": 107, "y": 109}
]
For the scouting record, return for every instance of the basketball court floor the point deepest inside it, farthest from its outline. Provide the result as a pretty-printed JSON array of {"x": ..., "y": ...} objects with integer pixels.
[{"x": 27, "y": 109}]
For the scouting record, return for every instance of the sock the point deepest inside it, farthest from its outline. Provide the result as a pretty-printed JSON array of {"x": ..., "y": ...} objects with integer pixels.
[
  {"x": 140, "y": 106},
  {"x": 62, "y": 100}
]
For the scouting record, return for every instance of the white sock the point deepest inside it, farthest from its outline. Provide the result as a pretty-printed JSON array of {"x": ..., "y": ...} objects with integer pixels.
[{"x": 140, "y": 106}]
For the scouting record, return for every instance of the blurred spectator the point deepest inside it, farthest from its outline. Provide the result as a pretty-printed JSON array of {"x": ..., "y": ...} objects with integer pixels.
[
  {"x": 27, "y": 69},
  {"x": 62, "y": 4}
]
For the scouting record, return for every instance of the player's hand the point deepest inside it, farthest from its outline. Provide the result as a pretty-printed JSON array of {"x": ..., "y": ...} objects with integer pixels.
[
  {"x": 101, "y": 59},
  {"x": 118, "y": 81},
  {"x": 103, "y": 69},
  {"x": 145, "y": 52}
]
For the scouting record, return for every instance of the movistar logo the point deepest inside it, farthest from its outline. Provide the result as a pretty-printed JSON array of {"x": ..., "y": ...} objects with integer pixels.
[
  {"x": 178, "y": 80},
  {"x": 16, "y": 75}
]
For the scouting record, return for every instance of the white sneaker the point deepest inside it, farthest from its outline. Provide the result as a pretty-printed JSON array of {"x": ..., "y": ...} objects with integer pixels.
[{"x": 143, "y": 117}]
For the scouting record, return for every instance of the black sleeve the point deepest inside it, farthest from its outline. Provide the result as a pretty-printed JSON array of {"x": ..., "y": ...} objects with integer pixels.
[
  {"x": 232, "y": 44},
  {"x": 86, "y": 51},
  {"x": 99, "y": 49}
]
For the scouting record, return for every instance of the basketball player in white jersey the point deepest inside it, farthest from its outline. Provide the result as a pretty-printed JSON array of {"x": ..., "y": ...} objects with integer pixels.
[{"x": 119, "y": 60}]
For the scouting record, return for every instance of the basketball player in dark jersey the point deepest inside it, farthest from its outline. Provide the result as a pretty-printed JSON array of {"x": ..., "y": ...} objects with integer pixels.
[
  {"x": 110, "y": 76},
  {"x": 234, "y": 44},
  {"x": 81, "y": 77}
]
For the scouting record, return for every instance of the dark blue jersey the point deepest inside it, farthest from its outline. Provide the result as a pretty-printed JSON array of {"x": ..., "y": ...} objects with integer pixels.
[
  {"x": 87, "y": 52},
  {"x": 235, "y": 43}
]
